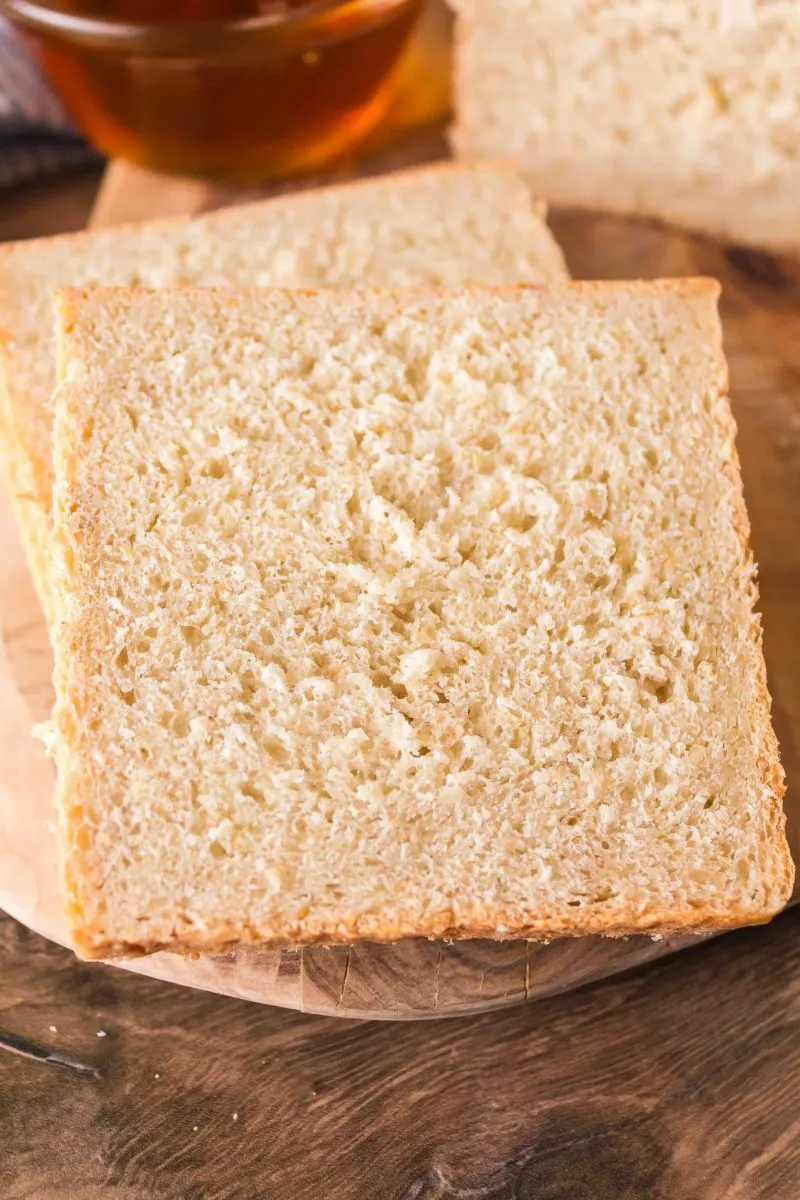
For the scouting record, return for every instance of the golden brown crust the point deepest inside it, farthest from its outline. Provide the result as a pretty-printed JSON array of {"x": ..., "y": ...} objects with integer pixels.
[
  {"x": 27, "y": 485},
  {"x": 768, "y": 757},
  {"x": 72, "y": 646},
  {"x": 694, "y": 287},
  {"x": 91, "y": 944}
]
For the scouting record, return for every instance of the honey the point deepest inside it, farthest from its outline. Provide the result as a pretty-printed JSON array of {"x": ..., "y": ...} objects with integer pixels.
[{"x": 232, "y": 89}]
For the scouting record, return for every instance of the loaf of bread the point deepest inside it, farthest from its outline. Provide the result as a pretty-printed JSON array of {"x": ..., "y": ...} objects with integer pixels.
[
  {"x": 405, "y": 613},
  {"x": 446, "y": 225},
  {"x": 686, "y": 112}
]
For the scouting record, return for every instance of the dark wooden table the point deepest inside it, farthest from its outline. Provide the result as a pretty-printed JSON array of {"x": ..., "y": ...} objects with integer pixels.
[{"x": 677, "y": 1082}]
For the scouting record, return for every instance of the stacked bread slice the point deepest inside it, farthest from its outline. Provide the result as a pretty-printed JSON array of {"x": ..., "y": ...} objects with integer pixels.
[
  {"x": 687, "y": 112},
  {"x": 442, "y": 226},
  {"x": 419, "y": 609}
]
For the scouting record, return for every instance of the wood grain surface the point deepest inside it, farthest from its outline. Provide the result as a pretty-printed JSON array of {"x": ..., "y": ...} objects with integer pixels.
[
  {"x": 761, "y": 316},
  {"x": 676, "y": 1082}
]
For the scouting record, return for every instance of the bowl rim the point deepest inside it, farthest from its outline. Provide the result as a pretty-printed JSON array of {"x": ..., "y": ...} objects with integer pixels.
[{"x": 316, "y": 22}]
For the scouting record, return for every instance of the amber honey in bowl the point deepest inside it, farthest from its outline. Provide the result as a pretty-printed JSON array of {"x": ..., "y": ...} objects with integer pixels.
[{"x": 227, "y": 88}]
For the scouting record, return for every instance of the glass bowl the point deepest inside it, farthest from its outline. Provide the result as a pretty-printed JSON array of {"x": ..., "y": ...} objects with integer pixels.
[{"x": 245, "y": 97}]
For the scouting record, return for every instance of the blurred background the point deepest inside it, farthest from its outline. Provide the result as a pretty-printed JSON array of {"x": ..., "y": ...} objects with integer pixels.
[{"x": 234, "y": 90}]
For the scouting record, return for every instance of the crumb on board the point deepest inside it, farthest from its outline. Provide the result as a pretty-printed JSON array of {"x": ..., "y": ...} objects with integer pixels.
[
  {"x": 102, "y": 1033},
  {"x": 53, "y": 1029}
]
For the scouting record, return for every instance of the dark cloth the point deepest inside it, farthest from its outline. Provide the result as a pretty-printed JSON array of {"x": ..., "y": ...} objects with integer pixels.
[{"x": 37, "y": 138}]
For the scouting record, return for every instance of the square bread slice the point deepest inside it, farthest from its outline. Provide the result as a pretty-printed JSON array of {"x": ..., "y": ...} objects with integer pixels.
[
  {"x": 687, "y": 112},
  {"x": 405, "y": 613},
  {"x": 446, "y": 225}
]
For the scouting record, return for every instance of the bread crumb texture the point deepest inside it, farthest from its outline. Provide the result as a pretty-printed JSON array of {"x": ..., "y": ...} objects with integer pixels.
[
  {"x": 405, "y": 614},
  {"x": 688, "y": 111},
  {"x": 446, "y": 225}
]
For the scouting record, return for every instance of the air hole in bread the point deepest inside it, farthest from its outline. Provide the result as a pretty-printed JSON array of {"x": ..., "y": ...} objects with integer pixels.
[
  {"x": 253, "y": 792},
  {"x": 276, "y": 750}
]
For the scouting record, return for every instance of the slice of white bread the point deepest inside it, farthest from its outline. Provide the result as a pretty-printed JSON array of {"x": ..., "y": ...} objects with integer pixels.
[
  {"x": 444, "y": 225},
  {"x": 405, "y": 613},
  {"x": 687, "y": 112}
]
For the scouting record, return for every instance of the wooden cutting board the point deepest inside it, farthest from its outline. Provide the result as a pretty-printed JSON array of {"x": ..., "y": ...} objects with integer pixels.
[{"x": 761, "y": 314}]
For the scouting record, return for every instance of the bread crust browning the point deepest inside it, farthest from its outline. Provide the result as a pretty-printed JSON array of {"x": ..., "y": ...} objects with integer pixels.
[
  {"x": 91, "y": 945},
  {"x": 772, "y": 773}
]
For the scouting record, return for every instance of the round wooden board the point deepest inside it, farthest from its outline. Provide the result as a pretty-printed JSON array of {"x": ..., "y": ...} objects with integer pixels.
[{"x": 761, "y": 313}]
